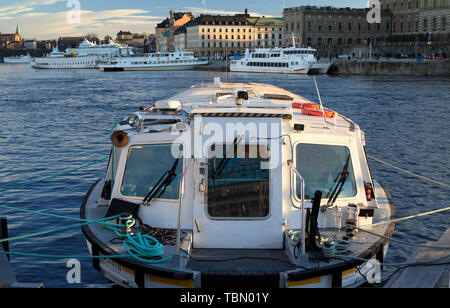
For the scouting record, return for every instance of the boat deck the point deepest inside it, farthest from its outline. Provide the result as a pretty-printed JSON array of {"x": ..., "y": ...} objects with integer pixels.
[{"x": 244, "y": 264}]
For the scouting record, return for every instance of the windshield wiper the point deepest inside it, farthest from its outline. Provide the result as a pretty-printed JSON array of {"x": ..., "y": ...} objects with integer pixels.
[
  {"x": 338, "y": 184},
  {"x": 162, "y": 183},
  {"x": 223, "y": 162}
]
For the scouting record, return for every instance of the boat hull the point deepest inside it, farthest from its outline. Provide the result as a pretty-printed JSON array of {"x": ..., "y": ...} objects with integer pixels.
[
  {"x": 88, "y": 62},
  {"x": 151, "y": 68},
  {"x": 130, "y": 273}
]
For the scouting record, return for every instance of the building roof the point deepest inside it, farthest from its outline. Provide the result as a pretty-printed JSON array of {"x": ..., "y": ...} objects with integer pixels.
[
  {"x": 238, "y": 19},
  {"x": 325, "y": 9},
  {"x": 124, "y": 33},
  {"x": 17, "y": 30},
  {"x": 266, "y": 21},
  {"x": 176, "y": 16}
]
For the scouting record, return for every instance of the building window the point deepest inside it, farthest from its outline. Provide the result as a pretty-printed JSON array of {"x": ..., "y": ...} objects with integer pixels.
[
  {"x": 444, "y": 25},
  {"x": 434, "y": 24},
  {"x": 340, "y": 26},
  {"x": 350, "y": 26},
  {"x": 330, "y": 26},
  {"x": 425, "y": 25}
]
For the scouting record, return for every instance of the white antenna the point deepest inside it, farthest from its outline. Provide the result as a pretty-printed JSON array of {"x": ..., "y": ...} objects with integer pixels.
[{"x": 321, "y": 105}]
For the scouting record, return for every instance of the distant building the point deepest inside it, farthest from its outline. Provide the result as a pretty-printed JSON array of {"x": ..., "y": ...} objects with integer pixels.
[
  {"x": 30, "y": 44},
  {"x": 419, "y": 26},
  {"x": 215, "y": 35},
  {"x": 178, "y": 19},
  {"x": 335, "y": 31},
  {"x": 124, "y": 36},
  {"x": 268, "y": 32},
  {"x": 11, "y": 38}
]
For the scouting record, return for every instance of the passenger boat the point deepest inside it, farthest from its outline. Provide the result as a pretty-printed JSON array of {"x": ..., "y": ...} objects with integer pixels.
[
  {"x": 237, "y": 185},
  {"x": 290, "y": 60},
  {"x": 179, "y": 60},
  {"x": 86, "y": 56},
  {"x": 17, "y": 60}
]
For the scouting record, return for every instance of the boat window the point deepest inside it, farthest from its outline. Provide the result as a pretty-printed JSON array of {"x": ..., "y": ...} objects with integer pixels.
[
  {"x": 320, "y": 165},
  {"x": 146, "y": 164},
  {"x": 237, "y": 186}
]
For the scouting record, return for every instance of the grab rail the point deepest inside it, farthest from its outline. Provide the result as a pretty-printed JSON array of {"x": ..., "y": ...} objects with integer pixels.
[
  {"x": 302, "y": 191},
  {"x": 180, "y": 197}
]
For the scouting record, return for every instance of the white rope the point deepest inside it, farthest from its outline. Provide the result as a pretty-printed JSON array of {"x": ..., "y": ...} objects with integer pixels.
[
  {"x": 403, "y": 242},
  {"x": 408, "y": 172},
  {"x": 408, "y": 217}
]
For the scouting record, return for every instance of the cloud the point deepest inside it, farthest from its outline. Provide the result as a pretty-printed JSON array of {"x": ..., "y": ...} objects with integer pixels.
[{"x": 53, "y": 25}]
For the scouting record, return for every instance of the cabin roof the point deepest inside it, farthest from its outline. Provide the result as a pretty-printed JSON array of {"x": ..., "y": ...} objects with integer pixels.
[{"x": 264, "y": 98}]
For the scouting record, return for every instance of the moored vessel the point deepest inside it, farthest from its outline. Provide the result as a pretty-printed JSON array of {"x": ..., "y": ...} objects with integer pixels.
[
  {"x": 232, "y": 184},
  {"x": 179, "y": 60},
  {"x": 17, "y": 59},
  {"x": 290, "y": 60},
  {"x": 86, "y": 56}
]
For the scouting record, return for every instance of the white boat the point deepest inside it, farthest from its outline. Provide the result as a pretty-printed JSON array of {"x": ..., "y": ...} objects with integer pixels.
[
  {"x": 17, "y": 60},
  {"x": 86, "y": 56},
  {"x": 290, "y": 60},
  {"x": 179, "y": 60},
  {"x": 237, "y": 185}
]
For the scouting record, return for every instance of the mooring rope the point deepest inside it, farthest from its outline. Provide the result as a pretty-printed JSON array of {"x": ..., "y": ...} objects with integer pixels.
[
  {"x": 409, "y": 172},
  {"x": 408, "y": 217},
  {"x": 54, "y": 176}
]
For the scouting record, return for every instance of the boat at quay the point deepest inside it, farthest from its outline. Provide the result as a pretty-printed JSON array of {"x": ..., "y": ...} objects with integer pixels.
[
  {"x": 290, "y": 60},
  {"x": 168, "y": 61},
  {"x": 17, "y": 60},
  {"x": 237, "y": 185},
  {"x": 86, "y": 56}
]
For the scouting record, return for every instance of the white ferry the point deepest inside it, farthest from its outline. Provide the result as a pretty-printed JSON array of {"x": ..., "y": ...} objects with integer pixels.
[
  {"x": 86, "y": 56},
  {"x": 290, "y": 60},
  {"x": 179, "y": 60},
  {"x": 17, "y": 60},
  {"x": 237, "y": 185}
]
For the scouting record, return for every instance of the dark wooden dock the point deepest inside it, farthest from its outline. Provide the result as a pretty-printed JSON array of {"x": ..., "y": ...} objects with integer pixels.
[
  {"x": 7, "y": 277},
  {"x": 425, "y": 276}
]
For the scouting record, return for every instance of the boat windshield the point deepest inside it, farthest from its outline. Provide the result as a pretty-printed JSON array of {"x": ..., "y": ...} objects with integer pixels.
[
  {"x": 238, "y": 187},
  {"x": 144, "y": 168},
  {"x": 320, "y": 165}
]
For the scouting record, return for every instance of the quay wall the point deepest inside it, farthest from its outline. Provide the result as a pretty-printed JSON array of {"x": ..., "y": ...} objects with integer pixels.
[{"x": 408, "y": 68}]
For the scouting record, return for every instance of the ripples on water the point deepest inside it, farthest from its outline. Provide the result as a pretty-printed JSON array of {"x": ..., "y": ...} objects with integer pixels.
[{"x": 59, "y": 120}]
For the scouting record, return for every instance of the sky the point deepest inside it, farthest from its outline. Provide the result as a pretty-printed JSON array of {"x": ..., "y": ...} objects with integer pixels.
[{"x": 50, "y": 19}]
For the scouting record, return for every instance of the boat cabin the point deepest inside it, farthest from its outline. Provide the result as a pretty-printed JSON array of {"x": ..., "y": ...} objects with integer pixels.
[{"x": 239, "y": 157}]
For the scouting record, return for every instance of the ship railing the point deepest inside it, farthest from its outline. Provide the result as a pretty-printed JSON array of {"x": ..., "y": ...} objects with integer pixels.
[{"x": 295, "y": 172}]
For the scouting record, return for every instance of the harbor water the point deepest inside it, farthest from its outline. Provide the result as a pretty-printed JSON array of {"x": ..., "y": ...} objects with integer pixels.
[{"x": 55, "y": 121}]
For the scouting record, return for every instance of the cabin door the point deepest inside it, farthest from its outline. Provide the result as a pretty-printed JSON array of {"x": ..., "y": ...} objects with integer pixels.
[{"x": 238, "y": 196}]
